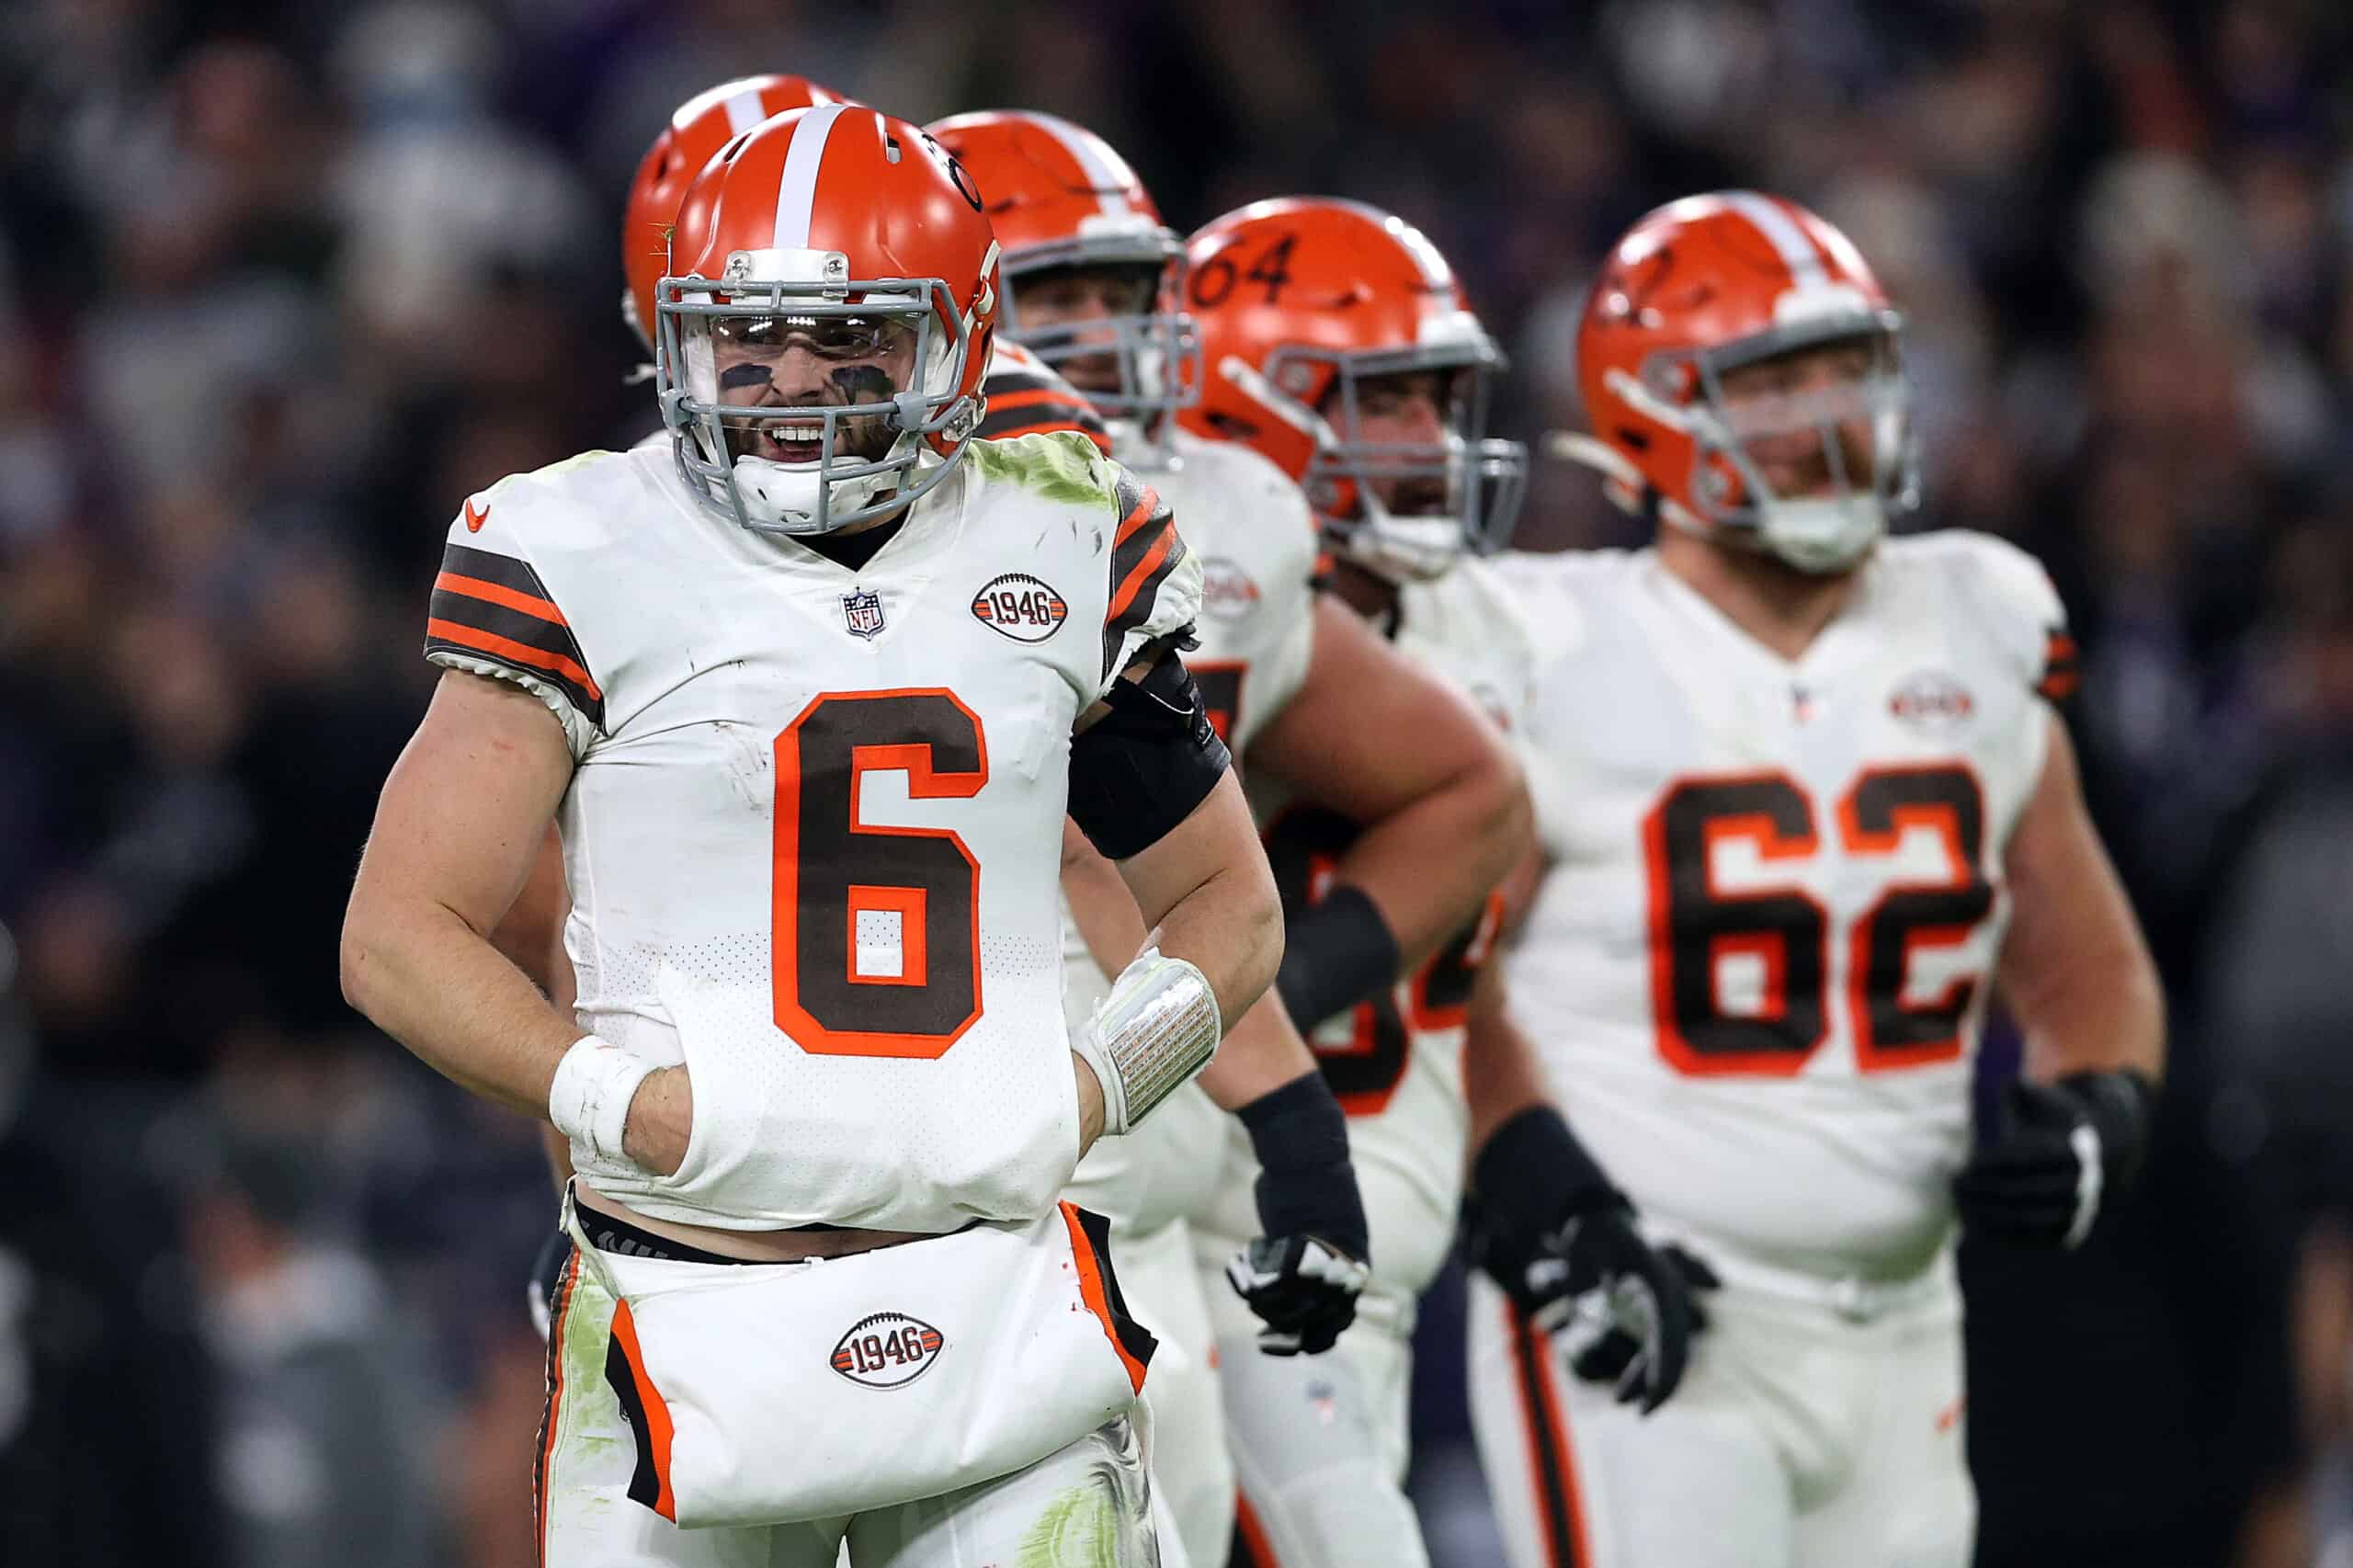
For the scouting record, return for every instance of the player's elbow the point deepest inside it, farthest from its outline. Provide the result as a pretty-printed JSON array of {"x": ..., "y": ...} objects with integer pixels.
[
  {"x": 370, "y": 938},
  {"x": 1259, "y": 916},
  {"x": 1493, "y": 804}
]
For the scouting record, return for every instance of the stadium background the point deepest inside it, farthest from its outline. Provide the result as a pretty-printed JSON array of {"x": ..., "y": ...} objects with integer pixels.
[{"x": 282, "y": 282}]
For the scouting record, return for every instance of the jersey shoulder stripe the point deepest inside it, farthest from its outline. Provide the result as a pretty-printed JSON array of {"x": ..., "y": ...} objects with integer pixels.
[
  {"x": 1144, "y": 551},
  {"x": 1025, "y": 401},
  {"x": 491, "y": 606}
]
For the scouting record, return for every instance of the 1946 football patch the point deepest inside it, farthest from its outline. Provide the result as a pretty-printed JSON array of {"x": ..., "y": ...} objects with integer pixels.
[
  {"x": 888, "y": 1350},
  {"x": 1021, "y": 607}
]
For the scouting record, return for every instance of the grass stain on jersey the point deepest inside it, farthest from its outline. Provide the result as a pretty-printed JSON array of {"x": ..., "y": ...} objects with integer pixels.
[
  {"x": 1078, "y": 1529},
  {"x": 1060, "y": 465}
]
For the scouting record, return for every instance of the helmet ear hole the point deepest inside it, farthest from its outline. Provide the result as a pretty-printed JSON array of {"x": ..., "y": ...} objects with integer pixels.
[{"x": 1638, "y": 439}]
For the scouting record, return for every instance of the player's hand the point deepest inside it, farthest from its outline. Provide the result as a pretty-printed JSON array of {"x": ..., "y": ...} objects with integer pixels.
[
  {"x": 547, "y": 1277},
  {"x": 1303, "y": 1289},
  {"x": 1090, "y": 1104},
  {"x": 661, "y": 1119},
  {"x": 2064, "y": 1150},
  {"x": 1622, "y": 1311}
]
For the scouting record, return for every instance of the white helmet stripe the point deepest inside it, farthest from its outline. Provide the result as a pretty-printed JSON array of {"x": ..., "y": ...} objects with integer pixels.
[
  {"x": 1781, "y": 232},
  {"x": 1106, "y": 173},
  {"x": 743, "y": 111},
  {"x": 797, "y": 192}
]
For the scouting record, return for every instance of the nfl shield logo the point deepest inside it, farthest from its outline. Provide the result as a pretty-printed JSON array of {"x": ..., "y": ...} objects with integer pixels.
[{"x": 862, "y": 613}]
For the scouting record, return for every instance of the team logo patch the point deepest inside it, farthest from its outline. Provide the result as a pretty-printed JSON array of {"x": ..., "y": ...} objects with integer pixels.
[
  {"x": 888, "y": 1350},
  {"x": 1227, "y": 591},
  {"x": 1021, "y": 607},
  {"x": 862, "y": 613},
  {"x": 1932, "y": 700}
]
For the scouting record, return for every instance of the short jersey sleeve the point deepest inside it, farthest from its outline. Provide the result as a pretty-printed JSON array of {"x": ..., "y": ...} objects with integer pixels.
[
  {"x": 1155, "y": 583},
  {"x": 492, "y": 615},
  {"x": 2028, "y": 618},
  {"x": 1025, "y": 398}
]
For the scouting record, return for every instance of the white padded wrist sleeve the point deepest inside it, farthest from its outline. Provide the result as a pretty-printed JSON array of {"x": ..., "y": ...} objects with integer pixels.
[
  {"x": 589, "y": 1100},
  {"x": 1152, "y": 1035}
]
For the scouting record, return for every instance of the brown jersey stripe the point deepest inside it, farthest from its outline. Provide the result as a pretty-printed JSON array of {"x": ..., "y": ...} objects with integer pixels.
[
  {"x": 558, "y": 670},
  {"x": 497, "y": 594},
  {"x": 497, "y": 620},
  {"x": 1134, "y": 606},
  {"x": 489, "y": 566}
]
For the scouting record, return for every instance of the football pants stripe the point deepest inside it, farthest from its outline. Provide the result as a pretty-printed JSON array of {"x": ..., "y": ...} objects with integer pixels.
[
  {"x": 1559, "y": 1508},
  {"x": 1090, "y": 1246},
  {"x": 1251, "y": 1547},
  {"x": 557, "y": 1319},
  {"x": 647, "y": 1413}
]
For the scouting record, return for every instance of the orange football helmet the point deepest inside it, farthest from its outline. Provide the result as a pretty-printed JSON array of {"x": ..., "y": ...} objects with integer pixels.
[
  {"x": 835, "y": 214},
  {"x": 698, "y": 128},
  {"x": 1061, "y": 197},
  {"x": 1300, "y": 301},
  {"x": 1701, "y": 286}
]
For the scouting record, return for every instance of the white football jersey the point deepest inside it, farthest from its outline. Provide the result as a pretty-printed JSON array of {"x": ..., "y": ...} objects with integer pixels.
[
  {"x": 1396, "y": 1062},
  {"x": 1758, "y": 964},
  {"x": 814, "y": 832},
  {"x": 1251, "y": 529}
]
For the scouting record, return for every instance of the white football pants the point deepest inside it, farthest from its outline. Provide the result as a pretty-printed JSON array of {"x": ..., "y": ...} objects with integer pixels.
[{"x": 1819, "y": 1426}]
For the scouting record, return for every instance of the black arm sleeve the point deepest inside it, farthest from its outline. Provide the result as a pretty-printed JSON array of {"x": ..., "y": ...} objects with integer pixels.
[{"x": 1142, "y": 769}]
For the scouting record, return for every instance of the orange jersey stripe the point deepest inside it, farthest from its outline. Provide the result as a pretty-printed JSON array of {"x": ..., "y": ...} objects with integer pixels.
[
  {"x": 1143, "y": 570},
  {"x": 476, "y": 588},
  {"x": 518, "y": 653},
  {"x": 1135, "y": 519},
  {"x": 1090, "y": 1290},
  {"x": 657, "y": 1414}
]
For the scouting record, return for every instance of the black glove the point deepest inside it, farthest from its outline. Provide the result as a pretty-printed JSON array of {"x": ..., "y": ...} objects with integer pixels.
[
  {"x": 1304, "y": 1275},
  {"x": 1546, "y": 1226},
  {"x": 2064, "y": 1152},
  {"x": 547, "y": 1277}
]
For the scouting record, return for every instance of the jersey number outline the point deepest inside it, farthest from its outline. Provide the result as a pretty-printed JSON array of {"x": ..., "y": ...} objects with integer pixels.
[
  {"x": 1693, "y": 925},
  {"x": 1303, "y": 847},
  {"x": 831, "y": 866}
]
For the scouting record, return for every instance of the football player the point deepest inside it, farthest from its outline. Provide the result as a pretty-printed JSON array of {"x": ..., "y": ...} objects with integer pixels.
[
  {"x": 1301, "y": 688},
  {"x": 1809, "y": 809},
  {"x": 1338, "y": 344},
  {"x": 1024, "y": 398},
  {"x": 809, "y": 692}
]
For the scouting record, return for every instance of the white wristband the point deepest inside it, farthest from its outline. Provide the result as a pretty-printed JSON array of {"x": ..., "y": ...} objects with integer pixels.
[{"x": 589, "y": 1100}]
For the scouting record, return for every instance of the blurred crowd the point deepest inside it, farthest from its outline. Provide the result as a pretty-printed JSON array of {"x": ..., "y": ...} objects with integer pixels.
[{"x": 281, "y": 281}]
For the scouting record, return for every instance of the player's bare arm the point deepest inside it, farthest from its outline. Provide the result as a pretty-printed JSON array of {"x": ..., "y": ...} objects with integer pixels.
[
  {"x": 2077, "y": 975},
  {"x": 2075, "y": 972},
  {"x": 1262, "y": 1051},
  {"x": 1445, "y": 808},
  {"x": 456, "y": 834}
]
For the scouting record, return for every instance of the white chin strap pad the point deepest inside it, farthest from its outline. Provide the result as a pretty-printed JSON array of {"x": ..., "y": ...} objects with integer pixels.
[
  {"x": 1149, "y": 1037},
  {"x": 1827, "y": 534}
]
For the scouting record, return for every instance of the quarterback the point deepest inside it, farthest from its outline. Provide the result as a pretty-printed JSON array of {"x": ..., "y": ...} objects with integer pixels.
[
  {"x": 1023, "y": 398},
  {"x": 809, "y": 693},
  {"x": 1809, "y": 809},
  {"x": 1305, "y": 694}
]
